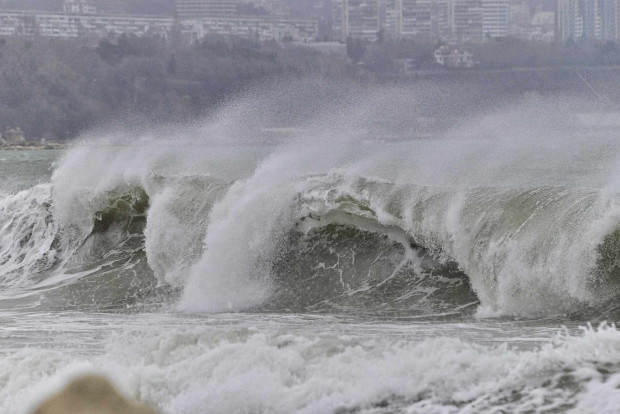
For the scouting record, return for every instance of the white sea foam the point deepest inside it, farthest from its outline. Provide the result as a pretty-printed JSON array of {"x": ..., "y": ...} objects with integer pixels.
[
  {"x": 190, "y": 370},
  {"x": 521, "y": 204},
  {"x": 27, "y": 234}
]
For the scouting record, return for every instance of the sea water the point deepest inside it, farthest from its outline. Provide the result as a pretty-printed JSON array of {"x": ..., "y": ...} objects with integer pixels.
[{"x": 229, "y": 268}]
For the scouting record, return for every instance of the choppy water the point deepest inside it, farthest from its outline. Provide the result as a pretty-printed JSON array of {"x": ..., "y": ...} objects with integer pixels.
[{"x": 319, "y": 272}]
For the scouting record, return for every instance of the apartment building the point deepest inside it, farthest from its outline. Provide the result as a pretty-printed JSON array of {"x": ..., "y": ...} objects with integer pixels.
[
  {"x": 495, "y": 18},
  {"x": 93, "y": 6},
  {"x": 411, "y": 18},
  {"x": 66, "y": 25},
  {"x": 192, "y": 9},
  {"x": 466, "y": 24},
  {"x": 587, "y": 19},
  {"x": 263, "y": 28},
  {"x": 355, "y": 18}
]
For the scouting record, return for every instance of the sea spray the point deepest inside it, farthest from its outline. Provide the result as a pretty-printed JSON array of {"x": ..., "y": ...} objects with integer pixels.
[
  {"x": 383, "y": 253},
  {"x": 221, "y": 209},
  {"x": 183, "y": 369}
]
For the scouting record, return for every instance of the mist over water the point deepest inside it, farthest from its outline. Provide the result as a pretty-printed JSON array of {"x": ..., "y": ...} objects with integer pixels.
[
  {"x": 352, "y": 251},
  {"x": 502, "y": 196}
]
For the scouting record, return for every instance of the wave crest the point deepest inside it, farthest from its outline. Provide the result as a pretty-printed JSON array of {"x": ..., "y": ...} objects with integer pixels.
[{"x": 318, "y": 243}]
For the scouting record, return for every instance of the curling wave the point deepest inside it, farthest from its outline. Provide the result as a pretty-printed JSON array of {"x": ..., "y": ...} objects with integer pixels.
[{"x": 335, "y": 241}]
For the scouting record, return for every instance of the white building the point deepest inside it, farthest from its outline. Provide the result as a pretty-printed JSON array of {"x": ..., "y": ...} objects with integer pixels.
[
  {"x": 569, "y": 20},
  {"x": 495, "y": 18},
  {"x": 589, "y": 19},
  {"x": 609, "y": 11},
  {"x": 259, "y": 28},
  {"x": 78, "y": 7},
  {"x": 74, "y": 25},
  {"x": 67, "y": 25},
  {"x": 355, "y": 18},
  {"x": 192, "y": 9},
  {"x": 411, "y": 18},
  {"x": 451, "y": 57},
  {"x": 465, "y": 20}
]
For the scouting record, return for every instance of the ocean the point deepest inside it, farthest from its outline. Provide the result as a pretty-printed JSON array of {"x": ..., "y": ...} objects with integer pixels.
[{"x": 221, "y": 268}]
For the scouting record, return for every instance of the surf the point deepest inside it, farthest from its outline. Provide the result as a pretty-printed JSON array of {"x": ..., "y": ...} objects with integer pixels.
[{"x": 329, "y": 217}]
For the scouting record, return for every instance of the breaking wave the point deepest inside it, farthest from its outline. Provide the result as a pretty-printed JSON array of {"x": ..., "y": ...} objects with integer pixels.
[
  {"x": 370, "y": 270},
  {"x": 329, "y": 215},
  {"x": 323, "y": 242}
]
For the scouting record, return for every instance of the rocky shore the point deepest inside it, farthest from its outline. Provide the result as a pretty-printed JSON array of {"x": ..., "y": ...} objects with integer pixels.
[{"x": 90, "y": 394}]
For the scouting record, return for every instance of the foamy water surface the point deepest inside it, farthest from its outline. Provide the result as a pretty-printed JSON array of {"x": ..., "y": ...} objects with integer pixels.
[{"x": 331, "y": 269}]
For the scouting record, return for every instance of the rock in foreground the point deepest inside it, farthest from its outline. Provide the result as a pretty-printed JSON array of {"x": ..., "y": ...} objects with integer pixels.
[{"x": 91, "y": 394}]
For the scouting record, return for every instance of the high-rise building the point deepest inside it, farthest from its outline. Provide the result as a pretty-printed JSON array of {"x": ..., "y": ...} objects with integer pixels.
[
  {"x": 465, "y": 20},
  {"x": 393, "y": 18},
  {"x": 455, "y": 20},
  {"x": 495, "y": 17},
  {"x": 587, "y": 19},
  {"x": 591, "y": 19},
  {"x": 569, "y": 21},
  {"x": 191, "y": 9},
  {"x": 355, "y": 18},
  {"x": 610, "y": 19},
  {"x": 409, "y": 18}
]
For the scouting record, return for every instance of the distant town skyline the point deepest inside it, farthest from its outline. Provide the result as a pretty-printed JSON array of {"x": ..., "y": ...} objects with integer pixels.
[
  {"x": 457, "y": 21},
  {"x": 156, "y": 7}
]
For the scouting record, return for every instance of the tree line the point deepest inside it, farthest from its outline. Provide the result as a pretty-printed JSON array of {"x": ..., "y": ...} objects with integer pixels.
[
  {"x": 55, "y": 89},
  {"x": 499, "y": 53}
]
